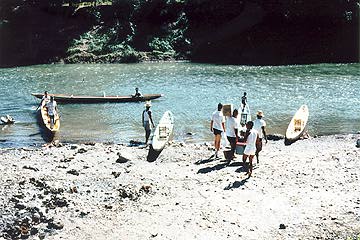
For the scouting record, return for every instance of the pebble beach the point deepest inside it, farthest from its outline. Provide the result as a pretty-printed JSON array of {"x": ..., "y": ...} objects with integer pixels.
[{"x": 308, "y": 190}]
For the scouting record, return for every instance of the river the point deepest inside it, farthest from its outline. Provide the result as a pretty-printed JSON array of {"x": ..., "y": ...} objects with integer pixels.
[{"x": 191, "y": 91}]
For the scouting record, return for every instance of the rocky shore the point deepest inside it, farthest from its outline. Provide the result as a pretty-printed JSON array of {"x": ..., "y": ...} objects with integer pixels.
[{"x": 308, "y": 190}]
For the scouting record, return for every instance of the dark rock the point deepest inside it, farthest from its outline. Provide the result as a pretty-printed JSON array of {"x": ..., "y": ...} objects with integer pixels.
[
  {"x": 82, "y": 150},
  {"x": 275, "y": 137},
  {"x": 282, "y": 226},
  {"x": 55, "y": 225},
  {"x": 73, "y": 172},
  {"x": 134, "y": 143},
  {"x": 90, "y": 143},
  {"x": 34, "y": 231},
  {"x": 145, "y": 188},
  {"x": 358, "y": 143},
  {"x": 20, "y": 206},
  {"x": 116, "y": 174},
  {"x": 121, "y": 159},
  {"x": 68, "y": 159},
  {"x": 83, "y": 214},
  {"x": 73, "y": 147},
  {"x": 108, "y": 206},
  {"x": 31, "y": 168},
  {"x": 39, "y": 183}
]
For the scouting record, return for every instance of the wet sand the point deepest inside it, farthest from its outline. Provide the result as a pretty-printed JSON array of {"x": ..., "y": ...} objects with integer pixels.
[{"x": 308, "y": 190}]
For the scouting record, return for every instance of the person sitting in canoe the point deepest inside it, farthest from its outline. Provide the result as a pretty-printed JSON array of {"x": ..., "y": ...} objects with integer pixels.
[
  {"x": 45, "y": 98},
  {"x": 52, "y": 110},
  {"x": 137, "y": 93}
]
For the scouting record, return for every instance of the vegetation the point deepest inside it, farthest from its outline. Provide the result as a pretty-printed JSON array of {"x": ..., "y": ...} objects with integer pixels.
[{"x": 228, "y": 31}]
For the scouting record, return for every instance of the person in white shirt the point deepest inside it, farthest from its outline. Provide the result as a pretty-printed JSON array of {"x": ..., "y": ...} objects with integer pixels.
[
  {"x": 232, "y": 127},
  {"x": 146, "y": 120},
  {"x": 137, "y": 93},
  {"x": 217, "y": 126},
  {"x": 252, "y": 137},
  {"x": 259, "y": 125},
  {"x": 52, "y": 110},
  {"x": 45, "y": 98}
]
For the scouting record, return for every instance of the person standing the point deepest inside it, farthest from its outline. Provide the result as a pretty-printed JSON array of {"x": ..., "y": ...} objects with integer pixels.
[
  {"x": 232, "y": 127},
  {"x": 243, "y": 101},
  {"x": 45, "y": 98},
  {"x": 259, "y": 125},
  {"x": 147, "y": 120},
  {"x": 52, "y": 110},
  {"x": 217, "y": 126},
  {"x": 252, "y": 137}
]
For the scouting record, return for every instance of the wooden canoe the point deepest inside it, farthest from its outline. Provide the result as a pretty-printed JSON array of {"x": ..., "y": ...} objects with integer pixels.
[
  {"x": 63, "y": 98},
  {"x": 45, "y": 119},
  {"x": 297, "y": 126},
  {"x": 162, "y": 135}
]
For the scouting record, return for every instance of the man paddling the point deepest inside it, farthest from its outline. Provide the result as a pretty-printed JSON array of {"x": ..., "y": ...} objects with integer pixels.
[{"x": 146, "y": 120}]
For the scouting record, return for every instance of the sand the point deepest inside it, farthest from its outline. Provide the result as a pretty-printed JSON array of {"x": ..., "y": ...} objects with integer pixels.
[{"x": 308, "y": 190}]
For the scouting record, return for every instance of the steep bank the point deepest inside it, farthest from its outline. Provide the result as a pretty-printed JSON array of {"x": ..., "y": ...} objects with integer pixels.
[
  {"x": 309, "y": 190},
  {"x": 239, "y": 32}
]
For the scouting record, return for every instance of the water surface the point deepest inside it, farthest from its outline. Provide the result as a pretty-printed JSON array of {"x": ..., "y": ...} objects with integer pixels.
[{"x": 192, "y": 92}]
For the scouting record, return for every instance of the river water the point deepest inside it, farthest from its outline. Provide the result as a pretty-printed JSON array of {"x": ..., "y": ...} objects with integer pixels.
[{"x": 191, "y": 92}]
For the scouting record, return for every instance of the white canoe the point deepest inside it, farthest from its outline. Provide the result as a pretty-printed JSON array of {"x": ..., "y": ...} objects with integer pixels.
[
  {"x": 297, "y": 125},
  {"x": 163, "y": 131}
]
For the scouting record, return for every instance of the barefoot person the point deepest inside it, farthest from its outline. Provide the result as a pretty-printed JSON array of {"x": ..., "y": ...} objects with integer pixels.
[
  {"x": 217, "y": 126},
  {"x": 232, "y": 127},
  {"x": 251, "y": 138},
  {"x": 52, "y": 110},
  {"x": 45, "y": 98},
  {"x": 147, "y": 120},
  {"x": 243, "y": 101},
  {"x": 259, "y": 125}
]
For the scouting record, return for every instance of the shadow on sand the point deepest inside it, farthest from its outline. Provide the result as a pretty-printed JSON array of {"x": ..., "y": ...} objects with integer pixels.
[
  {"x": 221, "y": 165},
  {"x": 153, "y": 154},
  {"x": 236, "y": 184}
]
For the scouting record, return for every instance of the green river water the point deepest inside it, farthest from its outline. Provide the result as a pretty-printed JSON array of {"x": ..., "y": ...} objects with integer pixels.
[{"x": 191, "y": 92}]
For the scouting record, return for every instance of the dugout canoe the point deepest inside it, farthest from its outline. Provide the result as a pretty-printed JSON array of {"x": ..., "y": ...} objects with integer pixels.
[
  {"x": 162, "y": 135},
  {"x": 297, "y": 126},
  {"x": 45, "y": 119},
  {"x": 63, "y": 98}
]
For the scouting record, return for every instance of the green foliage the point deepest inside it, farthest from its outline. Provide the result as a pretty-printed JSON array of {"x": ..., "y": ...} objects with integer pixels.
[{"x": 161, "y": 45}]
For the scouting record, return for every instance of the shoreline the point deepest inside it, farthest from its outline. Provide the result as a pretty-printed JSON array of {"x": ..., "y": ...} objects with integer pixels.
[{"x": 110, "y": 191}]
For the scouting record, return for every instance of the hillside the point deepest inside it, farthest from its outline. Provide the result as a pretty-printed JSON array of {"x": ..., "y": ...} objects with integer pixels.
[{"x": 258, "y": 32}]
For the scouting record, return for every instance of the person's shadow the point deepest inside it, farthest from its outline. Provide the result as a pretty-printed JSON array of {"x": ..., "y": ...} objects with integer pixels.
[{"x": 236, "y": 184}]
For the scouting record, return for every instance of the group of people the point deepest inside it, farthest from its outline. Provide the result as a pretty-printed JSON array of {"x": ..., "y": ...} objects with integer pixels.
[
  {"x": 51, "y": 106},
  {"x": 252, "y": 133}
]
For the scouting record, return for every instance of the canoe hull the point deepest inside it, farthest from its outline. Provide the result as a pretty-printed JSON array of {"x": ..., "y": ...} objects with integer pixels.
[
  {"x": 162, "y": 134},
  {"x": 62, "y": 98},
  {"x": 297, "y": 126}
]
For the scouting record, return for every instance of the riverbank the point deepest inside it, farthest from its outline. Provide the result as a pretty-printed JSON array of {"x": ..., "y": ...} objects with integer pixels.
[{"x": 304, "y": 191}]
